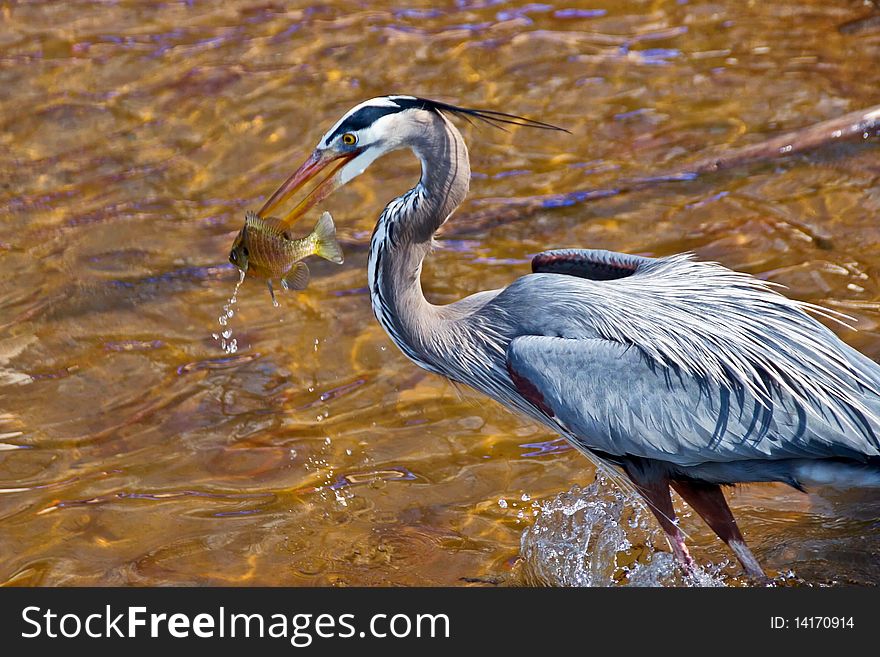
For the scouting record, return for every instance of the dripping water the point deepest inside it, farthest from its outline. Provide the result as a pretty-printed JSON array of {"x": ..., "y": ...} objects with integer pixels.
[{"x": 227, "y": 342}]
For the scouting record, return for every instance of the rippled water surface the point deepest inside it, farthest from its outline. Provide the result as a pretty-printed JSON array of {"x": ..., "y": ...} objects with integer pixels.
[{"x": 133, "y": 136}]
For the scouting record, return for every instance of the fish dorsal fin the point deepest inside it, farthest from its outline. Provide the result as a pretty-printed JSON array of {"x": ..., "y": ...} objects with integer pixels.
[{"x": 269, "y": 224}]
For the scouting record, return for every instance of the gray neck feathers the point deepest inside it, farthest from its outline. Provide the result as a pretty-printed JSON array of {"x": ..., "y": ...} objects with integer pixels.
[
  {"x": 404, "y": 236},
  {"x": 446, "y": 175}
]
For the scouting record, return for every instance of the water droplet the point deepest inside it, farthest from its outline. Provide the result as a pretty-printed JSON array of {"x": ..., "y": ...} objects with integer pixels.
[
  {"x": 230, "y": 346},
  {"x": 340, "y": 497},
  {"x": 502, "y": 503}
]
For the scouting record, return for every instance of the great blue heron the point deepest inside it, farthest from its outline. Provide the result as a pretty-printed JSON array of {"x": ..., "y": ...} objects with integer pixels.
[{"x": 683, "y": 374}]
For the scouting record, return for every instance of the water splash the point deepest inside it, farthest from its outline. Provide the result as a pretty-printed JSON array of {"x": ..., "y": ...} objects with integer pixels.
[
  {"x": 595, "y": 536},
  {"x": 227, "y": 342}
]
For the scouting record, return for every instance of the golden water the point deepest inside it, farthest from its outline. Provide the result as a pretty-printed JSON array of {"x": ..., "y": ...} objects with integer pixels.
[{"x": 134, "y": 135}]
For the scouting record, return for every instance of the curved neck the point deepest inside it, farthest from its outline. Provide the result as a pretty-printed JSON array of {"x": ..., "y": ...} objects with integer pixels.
[
  {"x": 405, "y": 230},
  {"x": 446, "y": 174}
]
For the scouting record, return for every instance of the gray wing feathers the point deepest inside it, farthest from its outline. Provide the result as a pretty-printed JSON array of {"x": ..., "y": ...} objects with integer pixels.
[
  {"x": 704, "y": 320},
  {"x": 614, "y": 398}
]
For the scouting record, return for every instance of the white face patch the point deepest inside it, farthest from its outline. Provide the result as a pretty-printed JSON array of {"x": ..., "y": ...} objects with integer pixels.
[
  {"x": 380, "y": 101},
  {"x": 380, "y": 137},
  {"x": 359, "y": 164}
]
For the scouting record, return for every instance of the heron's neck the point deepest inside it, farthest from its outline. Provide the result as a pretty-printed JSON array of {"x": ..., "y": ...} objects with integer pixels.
[{"x": 404, "y": 236}]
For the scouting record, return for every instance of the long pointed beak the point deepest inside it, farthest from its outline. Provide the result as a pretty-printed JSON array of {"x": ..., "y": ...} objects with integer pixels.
[{"x": 316, "y": 163}]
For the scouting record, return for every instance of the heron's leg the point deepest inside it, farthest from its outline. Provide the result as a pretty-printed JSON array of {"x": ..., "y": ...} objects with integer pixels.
[
  {"x": 708, "y": 500},
  {"x": 656, "y": 493}
]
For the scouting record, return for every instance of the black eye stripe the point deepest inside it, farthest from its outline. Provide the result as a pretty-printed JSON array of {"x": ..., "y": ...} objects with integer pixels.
[{"x": 364, "y": 117}]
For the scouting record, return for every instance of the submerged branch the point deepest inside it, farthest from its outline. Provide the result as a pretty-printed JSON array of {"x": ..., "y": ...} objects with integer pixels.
[{"x": 855, "y": 125}]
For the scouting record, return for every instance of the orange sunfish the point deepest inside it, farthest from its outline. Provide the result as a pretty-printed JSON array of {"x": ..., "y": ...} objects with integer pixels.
[{"x": 264, "y": 249}]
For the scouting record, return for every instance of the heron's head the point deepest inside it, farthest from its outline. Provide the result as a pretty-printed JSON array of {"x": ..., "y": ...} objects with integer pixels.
[{"x": 365, "y": 133}]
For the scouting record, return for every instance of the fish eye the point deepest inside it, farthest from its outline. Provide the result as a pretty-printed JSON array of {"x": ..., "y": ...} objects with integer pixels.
[
  {"x": 349, "y": 139},
  {"x": 233, "y": 256},
  {"x": 245, "y": 252}
]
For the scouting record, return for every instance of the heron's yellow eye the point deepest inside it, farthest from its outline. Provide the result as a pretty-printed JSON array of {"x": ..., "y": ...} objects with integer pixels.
[{"x": 349, "y": 139}]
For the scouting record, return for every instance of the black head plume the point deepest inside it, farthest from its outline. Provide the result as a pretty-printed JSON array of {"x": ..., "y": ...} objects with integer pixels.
[{"x": 491, "y": 117}]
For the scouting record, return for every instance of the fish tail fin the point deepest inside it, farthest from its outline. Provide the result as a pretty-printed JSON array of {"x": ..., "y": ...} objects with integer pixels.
[{"x": 324, "y": 236}]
